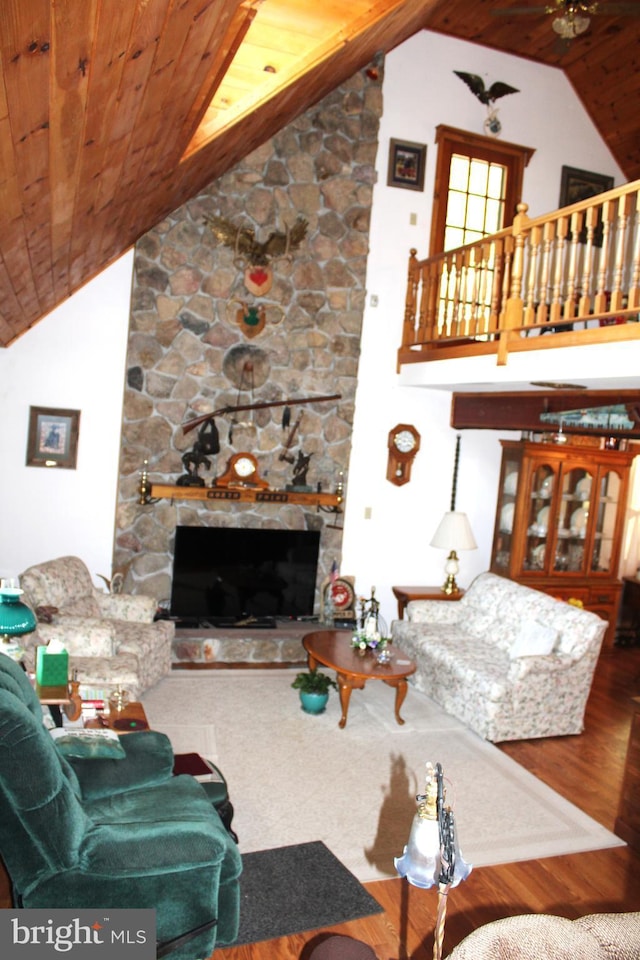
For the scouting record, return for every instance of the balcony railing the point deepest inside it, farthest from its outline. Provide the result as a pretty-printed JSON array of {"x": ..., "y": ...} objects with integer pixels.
[{"x": 574, "y": 273}]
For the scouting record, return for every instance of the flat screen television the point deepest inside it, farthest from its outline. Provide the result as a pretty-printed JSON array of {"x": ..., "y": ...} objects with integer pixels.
[{"x": 225, "y": 574}]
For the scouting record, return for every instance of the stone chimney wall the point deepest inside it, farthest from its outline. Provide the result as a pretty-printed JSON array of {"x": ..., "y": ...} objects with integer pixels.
[{"x": 188, "y": 354}]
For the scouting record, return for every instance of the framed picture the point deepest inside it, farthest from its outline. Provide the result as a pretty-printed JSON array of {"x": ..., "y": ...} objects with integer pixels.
[
  {"x": 576, "y": 185},
  {"x": 406, "y": 164},
  {"x": 53, "y": 437}
]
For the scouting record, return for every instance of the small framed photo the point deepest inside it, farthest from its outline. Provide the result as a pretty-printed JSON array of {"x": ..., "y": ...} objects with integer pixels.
[
  {"x": 53, "y": 437},
  {"x": 576, "y": 185},
  {"x": 406, "y": 164}
]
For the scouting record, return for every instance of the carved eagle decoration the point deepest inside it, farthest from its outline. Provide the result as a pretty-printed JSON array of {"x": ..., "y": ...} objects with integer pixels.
[
  {"x": 477, "y": 87},
  {"x": 249, "y": 250}
]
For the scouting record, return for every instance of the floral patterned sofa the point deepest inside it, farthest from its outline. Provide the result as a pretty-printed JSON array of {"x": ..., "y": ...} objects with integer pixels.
[
  {"x": 111, "y": 639},
  {"x": 510, "y": 662}
]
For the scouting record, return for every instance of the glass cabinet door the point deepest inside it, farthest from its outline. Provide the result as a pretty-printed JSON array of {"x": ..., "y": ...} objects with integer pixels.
[
  {"x": 539, "y": 534},
  {"x": 605, "y": 503},
  {"x": 573, "y": 520},
  {"x": 506, "y": 512}
]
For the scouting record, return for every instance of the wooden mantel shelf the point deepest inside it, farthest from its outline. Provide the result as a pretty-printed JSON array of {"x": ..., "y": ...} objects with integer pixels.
[{"x": 244, "y": 495}]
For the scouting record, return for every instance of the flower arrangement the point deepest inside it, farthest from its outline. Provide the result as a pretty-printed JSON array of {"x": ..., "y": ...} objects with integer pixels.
[
  {"x": 370, "y": 633},
  {"x": 373, "y": 642}
]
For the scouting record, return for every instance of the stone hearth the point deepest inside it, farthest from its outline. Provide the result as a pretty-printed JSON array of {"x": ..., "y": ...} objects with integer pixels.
[
  {"x": 283, "y": 644},
  {"x": 211, "y": 647}
]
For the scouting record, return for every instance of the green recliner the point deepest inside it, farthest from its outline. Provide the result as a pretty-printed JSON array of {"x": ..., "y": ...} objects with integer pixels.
[{"x": 112, "y": 833}]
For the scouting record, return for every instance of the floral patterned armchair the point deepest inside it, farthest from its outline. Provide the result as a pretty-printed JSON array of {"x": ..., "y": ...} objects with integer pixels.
[{"x": 111, "y": 639}]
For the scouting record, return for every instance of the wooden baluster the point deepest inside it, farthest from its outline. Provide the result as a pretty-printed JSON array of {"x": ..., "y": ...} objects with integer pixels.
[
  {"x": 426, "y": 312},
  {"x": 569, "y": 308},
  {"x": 549, "y": 233},
  {"x": 461, "y": 311},
  {"x": 451, "y": 296},
  {"x": 558, "y": 256},
  {"x": 634, "y": 272},
  {"x": 455, "y": 324},
  {"x": 509, "y": 245},
  {"x": 474, "y": 278},
  {"x": 433, "y": 301},
  {"x": 584, "y": 305},
  {"x": 497, "y": 284},
  {"x": 482, "y": 288},
  {"x": 600, "y": 304},
  {"x": 617, "y": 295},
  {"x": 408, "y": 327},
  {"x": 512, "y": 318},
  {"x": 467, "y": 309},
  {"x": 421, "y": 329},
  {"x": 506, "y": 275},
  {"x": 517, "y": 265},
  {"x": 445, "y": 299},
  {"x": 532, "y": 271}
]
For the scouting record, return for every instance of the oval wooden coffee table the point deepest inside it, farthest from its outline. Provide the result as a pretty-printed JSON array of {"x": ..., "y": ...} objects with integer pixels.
[{"x": 332, "y": 648}]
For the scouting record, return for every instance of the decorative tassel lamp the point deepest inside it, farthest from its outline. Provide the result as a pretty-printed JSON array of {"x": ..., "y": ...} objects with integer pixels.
[
  {"x": 453, "y": 534},
  {"x": 432, "y": 855}
]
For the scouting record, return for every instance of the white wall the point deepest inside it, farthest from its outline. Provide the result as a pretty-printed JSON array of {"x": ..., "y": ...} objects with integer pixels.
[
  {"x": 73, "y": 359},
  {"x": 420, "y": 92}
]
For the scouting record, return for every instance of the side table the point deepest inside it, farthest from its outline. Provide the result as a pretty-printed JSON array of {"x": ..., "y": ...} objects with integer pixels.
[
  {"x": 66, "y": 696},
  {"x": 129, "y": 720},
  {"x": 405, "y": 595}
]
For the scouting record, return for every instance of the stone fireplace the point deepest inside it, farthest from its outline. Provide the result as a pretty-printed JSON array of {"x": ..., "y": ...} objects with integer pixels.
[{"x": 189, "y": 354}]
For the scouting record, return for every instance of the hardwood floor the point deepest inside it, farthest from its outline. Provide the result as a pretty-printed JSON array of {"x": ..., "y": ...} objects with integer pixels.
[{"x": 587, "y": 770}]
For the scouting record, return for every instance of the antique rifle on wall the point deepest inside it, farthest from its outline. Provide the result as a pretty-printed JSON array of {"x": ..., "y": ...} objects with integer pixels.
[{"x": 192, "y": 424}]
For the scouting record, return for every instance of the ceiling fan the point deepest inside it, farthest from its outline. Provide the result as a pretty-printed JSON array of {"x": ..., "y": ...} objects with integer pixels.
[{"x": 572, "y": 17}]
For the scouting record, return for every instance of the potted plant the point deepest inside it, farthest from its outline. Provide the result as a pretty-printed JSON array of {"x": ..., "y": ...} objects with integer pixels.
[{"x": 314, "y": 690}]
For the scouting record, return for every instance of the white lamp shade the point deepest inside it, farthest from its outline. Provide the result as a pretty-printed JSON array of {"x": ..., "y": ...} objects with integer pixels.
[{"x": 454, "y": 533}]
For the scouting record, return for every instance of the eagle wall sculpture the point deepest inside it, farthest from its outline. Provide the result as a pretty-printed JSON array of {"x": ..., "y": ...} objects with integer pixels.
[
  {"x": 484, "y": 95},
  {"x": 488, "y": 96}
]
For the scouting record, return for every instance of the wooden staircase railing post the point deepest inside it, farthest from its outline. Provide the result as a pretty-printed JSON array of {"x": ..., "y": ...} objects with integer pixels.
[{"x": 514, "y": 307}]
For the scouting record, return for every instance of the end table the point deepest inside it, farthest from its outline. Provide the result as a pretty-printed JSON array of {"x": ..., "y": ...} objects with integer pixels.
[
  {"x": 405, "y": 595},
  {"x": 65, "y": 696}
]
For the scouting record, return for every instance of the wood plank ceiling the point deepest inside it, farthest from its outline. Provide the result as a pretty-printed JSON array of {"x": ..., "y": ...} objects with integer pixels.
[{"x": 114, "y": 113}]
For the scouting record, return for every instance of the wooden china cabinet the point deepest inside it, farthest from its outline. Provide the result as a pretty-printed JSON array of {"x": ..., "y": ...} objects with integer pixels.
[{"x": 559, "y": 522}]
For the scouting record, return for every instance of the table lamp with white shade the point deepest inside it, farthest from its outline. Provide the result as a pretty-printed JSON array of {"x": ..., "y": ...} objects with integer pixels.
[{"x": 454, "y": 533}]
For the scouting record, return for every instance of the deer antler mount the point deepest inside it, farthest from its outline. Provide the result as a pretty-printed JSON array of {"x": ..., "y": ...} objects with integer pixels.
[{"x": 255, "y": 257}]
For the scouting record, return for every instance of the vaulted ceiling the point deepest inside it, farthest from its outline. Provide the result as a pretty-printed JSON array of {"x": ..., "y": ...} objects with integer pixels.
[{"x": 114, "y": 113}]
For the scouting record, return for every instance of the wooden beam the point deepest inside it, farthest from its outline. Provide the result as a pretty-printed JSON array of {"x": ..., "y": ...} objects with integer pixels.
[{"x": 521, "y": 410}]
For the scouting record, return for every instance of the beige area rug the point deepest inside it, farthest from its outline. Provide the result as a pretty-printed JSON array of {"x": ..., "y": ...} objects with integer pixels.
[{"x": 295, "y": 778}]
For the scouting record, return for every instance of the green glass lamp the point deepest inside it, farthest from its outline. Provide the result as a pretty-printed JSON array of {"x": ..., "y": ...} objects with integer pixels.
[{"x": 16, "y": 618}]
